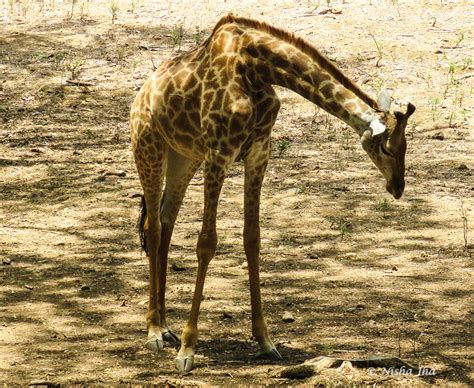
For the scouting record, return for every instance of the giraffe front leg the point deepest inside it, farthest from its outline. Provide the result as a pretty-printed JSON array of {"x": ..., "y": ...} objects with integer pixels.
[
  {"x": 214, "y": 178},
  {"x": 255, "y": 166},
  {"x": 205, "y": 251}
]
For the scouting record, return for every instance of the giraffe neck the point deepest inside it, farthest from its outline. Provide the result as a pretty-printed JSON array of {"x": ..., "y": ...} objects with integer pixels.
[{"x": 304, "y": 70}]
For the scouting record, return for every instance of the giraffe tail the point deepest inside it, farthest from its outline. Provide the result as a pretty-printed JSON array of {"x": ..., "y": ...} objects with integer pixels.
[{"x": 141, "y": 225}]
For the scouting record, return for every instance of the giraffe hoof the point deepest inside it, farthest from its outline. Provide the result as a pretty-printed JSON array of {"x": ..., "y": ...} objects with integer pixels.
[
  {"x": 184, "y": 364},
  {"x": 272, "y": 354},
  {"x": 154, "y": 343},
  {"x": 169, "y": 336}
]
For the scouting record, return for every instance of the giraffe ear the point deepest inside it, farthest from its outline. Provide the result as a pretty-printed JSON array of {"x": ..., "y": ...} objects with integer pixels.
[
  {"x": 384, "y": 100},
  {"x": 410, "y": 110},
  {"x": 377, "y": 127}
]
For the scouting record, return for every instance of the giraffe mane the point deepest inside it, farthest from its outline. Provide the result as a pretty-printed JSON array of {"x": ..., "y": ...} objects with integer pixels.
[{"x": 302, "y": 45}]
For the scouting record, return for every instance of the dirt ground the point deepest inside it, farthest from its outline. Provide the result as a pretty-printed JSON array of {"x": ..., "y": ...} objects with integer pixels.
[{"x": 361, "y": 273}]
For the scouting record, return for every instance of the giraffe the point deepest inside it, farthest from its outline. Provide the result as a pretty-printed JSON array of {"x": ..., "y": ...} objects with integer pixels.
[{"x": 215, "y": 105}]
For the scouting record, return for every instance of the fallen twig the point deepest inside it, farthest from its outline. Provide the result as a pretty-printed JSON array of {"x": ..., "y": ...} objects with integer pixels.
[
  {"x": 79, "y": 83},
  {"x": 149, "y": 48},
  {"x": 400, "y": 276},
  {"x": 105, "y": 173},
  {"x": 465, "y": 76},
  {"x": 316, "y": 365}
]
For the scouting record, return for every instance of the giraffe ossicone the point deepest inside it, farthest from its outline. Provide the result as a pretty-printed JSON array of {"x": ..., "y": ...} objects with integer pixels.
[{"x": 214, "y": 105}]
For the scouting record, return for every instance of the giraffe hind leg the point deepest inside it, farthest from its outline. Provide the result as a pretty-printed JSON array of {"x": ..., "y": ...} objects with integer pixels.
[
  {"x": 167, "y": 334},
  {"x": 150, "y": 152},
  {"x": 179, "y": 172}
]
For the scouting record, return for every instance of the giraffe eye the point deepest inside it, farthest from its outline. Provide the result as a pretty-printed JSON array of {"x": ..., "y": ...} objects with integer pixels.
[{"x": 385, "y": 151}]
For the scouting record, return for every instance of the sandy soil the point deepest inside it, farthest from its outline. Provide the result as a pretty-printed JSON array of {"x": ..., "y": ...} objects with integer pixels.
[{"x": 361, "y": 273}]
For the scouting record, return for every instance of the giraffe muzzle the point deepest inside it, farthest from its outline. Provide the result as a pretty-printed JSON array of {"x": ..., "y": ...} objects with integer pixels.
[{"x": 396, "y": 189}]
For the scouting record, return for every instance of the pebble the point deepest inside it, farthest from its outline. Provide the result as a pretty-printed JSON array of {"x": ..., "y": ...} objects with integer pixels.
[
  {"x": 6, "y": 261},
  {"x": 287, "y": 317},
  {"x": 227, "y": 315},
  {"x": 178, "y": 267},
  {"x": 135, "y": 195}
]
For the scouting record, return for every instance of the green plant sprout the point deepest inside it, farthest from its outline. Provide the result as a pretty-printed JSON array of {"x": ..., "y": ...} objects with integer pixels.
[
  {"x": 113, "y": 9},
  {"x": 177, "y": 36}
]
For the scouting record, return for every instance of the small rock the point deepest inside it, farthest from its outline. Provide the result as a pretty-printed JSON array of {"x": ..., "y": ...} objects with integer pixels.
[
  {"x": 462, "y": 166},
  {"x": 43, "y": 383},
  {"x": 28, "y": 287},
  {"x": 358, "y": 307},
  {"x": 178, "y": 267},
  {"x": 227, "y": 315},
  {"x": 301, "y": 371},
  {"x": 438, "y": 136},
  {"x": 120, "y": 173},
  {"x": 134, "y": 195},
  {"x": 343, "y": 189},
  {"x": 6, "y": 261},
  {"x": 287, "y": 317},
  {"x": 394, "y": 268},
  {"x": 313, "y": 256},
  {"x": 105, "y": 173},
  {"x": 85, "y": 287}
]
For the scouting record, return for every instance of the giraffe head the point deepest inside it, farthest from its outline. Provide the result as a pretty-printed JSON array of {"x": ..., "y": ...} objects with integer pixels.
[{"x": 386, "y": 143}]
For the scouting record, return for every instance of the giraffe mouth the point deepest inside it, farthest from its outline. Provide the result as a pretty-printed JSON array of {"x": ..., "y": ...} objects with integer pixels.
[{"x": 396, "y": 190}]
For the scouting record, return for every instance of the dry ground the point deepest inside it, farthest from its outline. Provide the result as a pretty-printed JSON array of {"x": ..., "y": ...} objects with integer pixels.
[{"x": 362, "y": 274}]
